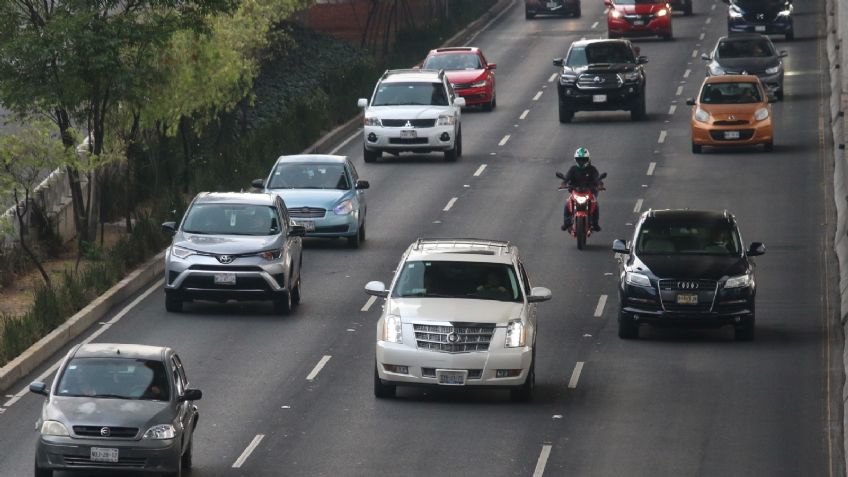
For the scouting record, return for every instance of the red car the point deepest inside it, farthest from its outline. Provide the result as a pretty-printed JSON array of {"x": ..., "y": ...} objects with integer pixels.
[
  {"x": 471, "y": 76},
  {"x": 639, "y": 18}
]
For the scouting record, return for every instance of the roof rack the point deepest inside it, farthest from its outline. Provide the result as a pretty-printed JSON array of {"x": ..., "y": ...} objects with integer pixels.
[
  {"x": 388, "y": 73},
  {"x": 461, "y": 242}
]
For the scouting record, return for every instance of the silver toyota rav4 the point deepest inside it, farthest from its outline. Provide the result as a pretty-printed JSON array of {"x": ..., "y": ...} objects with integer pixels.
[{"x": 234, "y": 246}]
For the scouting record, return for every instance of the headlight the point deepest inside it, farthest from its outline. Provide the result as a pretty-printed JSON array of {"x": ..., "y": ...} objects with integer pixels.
[
  {"x": 446, "y": 120},
  {"x": 478, "y": 84},
  {"x": 162, "y": 431},
  {"x": 631, "y": 76},
  {"x": 761, "y": 114},
  {"x": 53, "y": 428},
  {"x": 581, "y": 199},
  {"x": 392, "y": 329},
  {"x": 344, "y": 208},
  {"x": 716, "y": 70},
  {"x": 615, "y": 13},
  {"x": 372, "y": 121},
  {"x": 734, "y": 12},
  {"x": 567, "y": 78},
  {"x": 701, "y": 115},
  {"x": 742, "y": 281},
  {"x": 271, "y": 254},
  {"x": 662, "y": 13},
  {"x": 180, "y": 252},
  {"x": 785, "y": 13},
  {"x": 772, "y": 70},
  {"x": 515, "y": 335},
  {"x": 637, "y": 279}
]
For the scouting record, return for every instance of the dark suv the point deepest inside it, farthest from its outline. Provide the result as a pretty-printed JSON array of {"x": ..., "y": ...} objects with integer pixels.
[
  {"x": 686, "y": 268},
  {"x": 601, "y": 75}
]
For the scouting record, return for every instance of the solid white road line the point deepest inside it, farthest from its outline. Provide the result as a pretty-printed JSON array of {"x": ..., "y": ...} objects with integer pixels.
[
  {"x": 687, "y": 73},
  {"x": 602, "y": 301},
  {"x": 679, "y": 91},
  {"x": 249, "y": 450},
  {"x": 543, "y": 461},
  {"x": 594, "y": 25},
  {"x": 638, "y": 207},
  {"x": 480, "y": 170},
  {"x": 450, "y": 204},
  {"x": 504, "y": 140},
  {"x": 538, "y": 95},
  {"x": 368, "y": 303},
  {"x": 552, "y": 78},
  {"x": 575, "y": 375},
  {"x": 524, "y": 114},
  {"x": 651, "y": 168},
  {"x": 345, "y": 142},
  {"x": 318, "y": 367},
  {"x": 661, "y": 139},
  {"x": 672, "y": 109},
  {"x": 43, "y": 376}
]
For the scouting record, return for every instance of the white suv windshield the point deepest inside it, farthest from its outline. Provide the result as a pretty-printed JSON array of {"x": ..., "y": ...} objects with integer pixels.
[
  {"x": 422, "y": 94},
  {"x": 450, "y": 279},
  {"x": 231, "y": 219}
]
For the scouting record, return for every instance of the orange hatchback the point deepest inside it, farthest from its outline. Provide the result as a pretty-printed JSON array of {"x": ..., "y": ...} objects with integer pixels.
[{"x": 731, "y": 110}]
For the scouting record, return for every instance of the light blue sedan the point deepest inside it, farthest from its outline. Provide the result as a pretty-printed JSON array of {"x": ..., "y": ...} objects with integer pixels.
[{"x": 323, "y": 193}]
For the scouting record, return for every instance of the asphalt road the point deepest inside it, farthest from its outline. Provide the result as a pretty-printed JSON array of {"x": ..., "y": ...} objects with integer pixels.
[{"x": 674, "y": 403}]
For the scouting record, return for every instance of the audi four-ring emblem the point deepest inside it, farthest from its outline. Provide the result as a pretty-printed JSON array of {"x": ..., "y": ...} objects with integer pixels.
[{"x": 688, "y": 285}]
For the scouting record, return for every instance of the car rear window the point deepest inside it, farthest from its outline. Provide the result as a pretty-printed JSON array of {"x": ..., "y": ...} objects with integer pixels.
[
  {"x": 231, "y": 219},
  {"x": 398, "y": 94},
  {"x": 731, "y": 93},
  {"x": 454, "y": 279},
  {"x": 682, "y": 236},
  {"x": 757, "y": 48},
  {"x": 454, "y": 61},
  {"x": 116, "y": 378},
  {"x": 309, "y": 176}
]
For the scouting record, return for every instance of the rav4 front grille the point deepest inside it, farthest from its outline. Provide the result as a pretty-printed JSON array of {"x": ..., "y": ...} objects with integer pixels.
[{"x": 463, "y": 338}]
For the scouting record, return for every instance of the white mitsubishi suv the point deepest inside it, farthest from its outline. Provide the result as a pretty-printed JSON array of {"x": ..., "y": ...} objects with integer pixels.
[
  {"x": 459, "y": 312},
  {"x": 412, "y": 111}
]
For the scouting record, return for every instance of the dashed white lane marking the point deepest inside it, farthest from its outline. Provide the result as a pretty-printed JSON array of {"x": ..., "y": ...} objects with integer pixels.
[
  {"x": 679, "y": 91},
  {"x": 701, "y": 36},
  {"x": 450, "y": 204},
  {"x": 504, "y": 140},
  {"x": 638, "y": 207},
  {"x": 575, "y": 375},
  {"x": 367, "y": 305},
  {"x": 318, "y": 367},
  {"x": 480, "y": 170},
  {"x": 687, "y": 73},
  {"x": 249, "y": 450},
  {"x": 709, "y": 19},
  {"x": 543, "y": 461},
  {"x": 602, "y": 302},
  {"x": 672, "y": 109},
  {"x": 43, "y": 376},
  {"x": 345, "y": 142},
  {"x": 661, "y": 139},
  {"x": 594, "y": 25},
  {"x": 713, "y": 7},
  {"x": 524, "y": 114},
  {"x": 651, "y": 168},
  {"x": 552, "y": 78},
  {"x": 694, "y": 53},
  {"x": 538, "y": 95}
]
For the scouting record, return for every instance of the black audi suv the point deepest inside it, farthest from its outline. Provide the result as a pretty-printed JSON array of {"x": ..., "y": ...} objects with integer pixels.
[{"x": 686, "y": 268}]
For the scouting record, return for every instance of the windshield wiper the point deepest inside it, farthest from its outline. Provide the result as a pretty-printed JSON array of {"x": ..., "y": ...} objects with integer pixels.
[
  {"x": 196, "y": 232},
  {"x": 110, "y": 396}
]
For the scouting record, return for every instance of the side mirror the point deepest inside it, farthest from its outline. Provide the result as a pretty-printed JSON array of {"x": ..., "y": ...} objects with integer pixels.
[
  {"x": 538, "y": 294},
  {"x": 603, "y": 175},
  {"x": 772, "y": 98},
  {"x": 618, "y": 246},
  {"x": 297, "y": 231},
  {"x": 558, "y": 62},
  {"x": 258, "y": 184},
  {"x": 38, "y": 387},
  {"x": 783, "y": 53},
  {"x": 362, "y": 103},
  {"x": 361, "y": 185},
  {"x": 459, "y": 102},
  {"x": 560, "y": 175},
  {"x": 705, "y": 57},
  {"x": 169, "y": 228},
  {"x": 191, "y": 395},
  {"x": 492, "y": 66},
  {"x": 642, "y": 60},
  {"x": 376, "y": 288},
  {"x": 756, "y": 248},
  {"x": 690, "y": 101}
]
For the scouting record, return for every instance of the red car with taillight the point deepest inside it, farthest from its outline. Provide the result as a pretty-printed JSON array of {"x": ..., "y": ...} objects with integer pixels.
[
  {"x": 639, "y": 18},
  {"x": 471, "y": 76}
]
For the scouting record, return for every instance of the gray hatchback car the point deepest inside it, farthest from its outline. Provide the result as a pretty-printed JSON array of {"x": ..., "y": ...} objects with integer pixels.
[
  {"x": 749, "y": 53},
  {"x": 234, "y": 246},
  {"x": 116, "y": 408}
]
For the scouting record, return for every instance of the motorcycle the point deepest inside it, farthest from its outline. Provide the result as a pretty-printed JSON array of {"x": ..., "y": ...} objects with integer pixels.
[{"x": 581, "y": 205}]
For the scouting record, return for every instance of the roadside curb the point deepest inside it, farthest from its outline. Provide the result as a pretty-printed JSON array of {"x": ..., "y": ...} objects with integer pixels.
[{"x": 39, "y": 352}]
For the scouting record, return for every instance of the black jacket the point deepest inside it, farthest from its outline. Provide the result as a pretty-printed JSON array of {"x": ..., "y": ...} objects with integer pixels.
[{"x": 582, "y": 177}]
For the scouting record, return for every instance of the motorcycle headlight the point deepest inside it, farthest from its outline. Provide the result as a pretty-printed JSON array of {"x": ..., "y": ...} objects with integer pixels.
[
  {"x": 772, "y": 70},
  {"x": 742, "y": 281},
  {"x": 716, "y": 70},
  {"x": 372, "y": 121},
  {"x": 53, "y": 428},
  {"x": 446, "y": 120},
  {"x": 392, "y": 330},
  {"x": 735, "y": 12},
  {"x": 271, "y": 254},
  {"x": 515, "y": 335},
  {"x": 785, "y": 13},
  {"x": 581, "y": 199},
  {"x": 345, "y": 207},
  {"x": 160, "y": 432},
  {"x": 761, "y": 114},
  {"x": 701, "y": 115},
  {"x": 180, "y": 252},
  {"x": 478, "y": 84},
  {"x": 663, "y": 12},
  {"x": 637, "y": 279},
  {"x": 615, "y": 13},
  {"x": 567, "y": 78},
  {"x": 631, "y": 76}
]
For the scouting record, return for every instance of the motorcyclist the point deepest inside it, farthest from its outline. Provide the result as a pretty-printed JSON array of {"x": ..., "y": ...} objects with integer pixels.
[{"x": 582, "y": 174}]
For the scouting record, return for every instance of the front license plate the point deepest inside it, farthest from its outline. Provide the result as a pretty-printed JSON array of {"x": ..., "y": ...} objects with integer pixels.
[
  {"x": 731, "y": 134},
  {"x": 638, "y": 22},
  {"x": 307, "y": 224},
  {"x": 408, "y": 133},
  {"x": 225, "y": 279},
  {"x": 451, "y": 378},
  {"x": 760, "y": 28},
  {"x": 599, "y": 98},
  {"x": 104, "y": 454},
  {"x": 687, "y": 299}
]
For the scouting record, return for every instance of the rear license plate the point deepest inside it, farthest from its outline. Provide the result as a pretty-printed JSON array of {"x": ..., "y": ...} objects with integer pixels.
[
  {"x": 104, "y": 454},
  {"x": 225, "y": 279},
  {"x": 760, "y": 28},
  {"x": 408, "y": 133},
  {"x": 638, "y": 22},
  {"x": 731, "y": 134},
  {"x": 451, "y": 378},
  {"x": 599, "y": 98},
  {"x": 307, "y": 224},
  {"x": 687, "y": 299}
]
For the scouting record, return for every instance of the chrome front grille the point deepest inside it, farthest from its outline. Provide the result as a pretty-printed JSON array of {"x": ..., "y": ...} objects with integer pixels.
[
  {"x": 705, "y": 289},
  {"x": 598, "y": 81},
  {"x": 408, "y": 123},
  {"x": 307, "y": 212},
  {"x": 462, "y": 338}
]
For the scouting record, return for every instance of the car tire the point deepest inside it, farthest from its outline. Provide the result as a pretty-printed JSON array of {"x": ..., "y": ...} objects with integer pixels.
[
  {"x": 768, "y": 147},
  {"x": 178, "y": 472},
  {"x": 790, "y": 35},
  {"x": 362, "y": 232},
  {"x": 295, "y": 293},
  {"x": 668, "y": 36},
  {"x": 565, "y": 115},
  {"x": 283, "y": 304},
  {"x": 459, "y": 143},
  {"x": 354, "y": 240},
  {"x": 687, "y": 9},
  {"x": 173, "y": 302},
  {"x": 524, "y": 393},
  {"x": 187, "y": 455},
  {"x": 744, "y": 331},
  {"x": 381, "y": 390},
  {"x": 371, "y": 156},
  {"x": 577, "y": 13},
  {"x": 697, "y": 148},
  {"x": 613, "y": 36},
  {"x": 528, "y": 14},
  {"x": 641, "y": 110},
  {"x": 452, "y": 154},
  {"x": 779, "y": 94},
  {"x": 41, "y": 471},
  {"x": 627, "y": 328},
  {"x": 490, "y": 105}
]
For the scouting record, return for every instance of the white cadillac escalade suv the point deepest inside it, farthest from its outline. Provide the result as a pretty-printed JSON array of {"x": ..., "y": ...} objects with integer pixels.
[
  {"x": 412, "y": 111},
  {"x": 459, "y": 312}
]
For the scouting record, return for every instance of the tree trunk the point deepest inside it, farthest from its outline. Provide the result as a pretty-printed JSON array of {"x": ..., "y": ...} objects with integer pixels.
[{"x": 20, "y": 212}]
